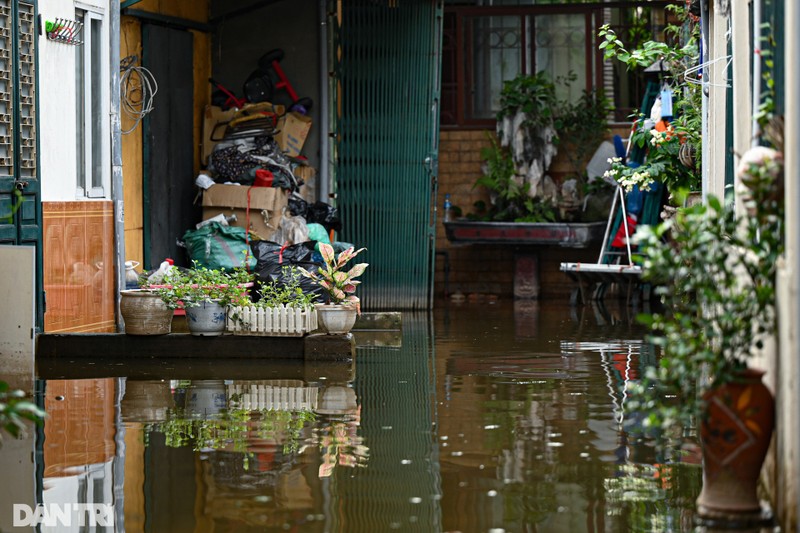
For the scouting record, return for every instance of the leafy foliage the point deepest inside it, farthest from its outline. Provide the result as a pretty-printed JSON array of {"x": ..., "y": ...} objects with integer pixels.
[
  {"x": 234, "y": 429},
  {"x": 512, "y": 201},
  {"x": 533, "y": 95},
  {"x": 716, "y": 276},
  {"x": 191, "y": 287},
  {"x": 664, "y": 162},
  {"x": 338, "y": 283},
  {"x": 582, "y": 126},
  {"x": 288, "y": 292},
  {"x": 16, "y": 411}
]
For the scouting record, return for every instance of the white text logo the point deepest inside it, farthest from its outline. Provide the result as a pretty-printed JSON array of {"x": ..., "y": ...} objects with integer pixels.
[{"x": 64, "y": 514}]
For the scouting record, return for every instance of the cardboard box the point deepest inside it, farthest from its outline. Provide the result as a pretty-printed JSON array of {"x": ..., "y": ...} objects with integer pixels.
[
  {"x": 309, "y": 176},
  {"x": 266, "y": 206},
  {"x": 293, "y": 129}
]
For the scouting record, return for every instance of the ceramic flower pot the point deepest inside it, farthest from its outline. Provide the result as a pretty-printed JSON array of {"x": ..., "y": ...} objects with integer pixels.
[
  {"x": 336, "y": 319},
  {"x": 206, "y": 397},
  {"x": 336, "y": 400},
  {"x": 206, "y": 319},
  {"x": 145, "y": 313},
  {"x": 735, "y": 437}
]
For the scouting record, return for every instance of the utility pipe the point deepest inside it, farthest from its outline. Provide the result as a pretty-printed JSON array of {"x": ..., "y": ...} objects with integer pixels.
[
  {"x": 756, "y": 129},
  {"x": 118, "y": 462},
  {"x": 324, "y": 120},
  {"x": 116, "y": 160},
  {"x": 705, "y": 172}
]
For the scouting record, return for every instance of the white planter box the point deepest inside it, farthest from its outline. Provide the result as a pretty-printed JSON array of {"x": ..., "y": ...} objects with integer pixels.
[{"x": 273, "y": 321}]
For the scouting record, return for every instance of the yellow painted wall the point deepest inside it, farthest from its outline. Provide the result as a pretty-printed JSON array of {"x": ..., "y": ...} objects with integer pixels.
[{"x": 131, "y": 44}]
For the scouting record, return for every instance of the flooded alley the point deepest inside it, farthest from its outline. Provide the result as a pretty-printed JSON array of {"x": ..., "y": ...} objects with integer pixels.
[{"x": 477, "y": 418}]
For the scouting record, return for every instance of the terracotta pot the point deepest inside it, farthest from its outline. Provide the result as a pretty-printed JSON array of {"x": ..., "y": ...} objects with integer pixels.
[
  {"x": 735, "y": 436},
  {"x": 336, "y": 319},
  {"x": 145, "y": 313},
  {"x": 146, "y": 400}
]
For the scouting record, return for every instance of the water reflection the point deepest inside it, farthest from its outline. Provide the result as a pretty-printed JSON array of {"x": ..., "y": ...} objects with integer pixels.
[{"x": 493, "y": 417}]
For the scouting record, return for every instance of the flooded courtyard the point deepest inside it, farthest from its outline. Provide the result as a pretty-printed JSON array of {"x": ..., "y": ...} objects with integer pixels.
[{"x": 477, "y": 417}]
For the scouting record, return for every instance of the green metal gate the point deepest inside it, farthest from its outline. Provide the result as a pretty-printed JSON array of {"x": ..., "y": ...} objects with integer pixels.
[
  {"x": 385, "y": 131},
  {"x": 20, "y": 191}
]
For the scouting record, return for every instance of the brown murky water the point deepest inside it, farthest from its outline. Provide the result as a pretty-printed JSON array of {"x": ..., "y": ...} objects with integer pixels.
[{"x": 479, "y": 418}]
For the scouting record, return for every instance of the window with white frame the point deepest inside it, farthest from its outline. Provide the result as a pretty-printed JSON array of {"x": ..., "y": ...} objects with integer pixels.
[{"x": 91, "y": 107}]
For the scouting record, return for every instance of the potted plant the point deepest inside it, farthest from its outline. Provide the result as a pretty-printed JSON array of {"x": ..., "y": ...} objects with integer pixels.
[
  {"x": 532, "y": 124},
  {"x": 715, "y": 272},
  {"x": 672, "y": 144},
  {"x": 204, "y": 293},
  {"x": 145, "y": 312},
  {"x": 339, "y": 315},
  {"x": 283, "y": 309}
]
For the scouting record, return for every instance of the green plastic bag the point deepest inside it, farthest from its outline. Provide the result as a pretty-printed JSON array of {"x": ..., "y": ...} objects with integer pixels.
[
  {"x": 316, "y": 232},
  {"x": 215, "y": 246}
]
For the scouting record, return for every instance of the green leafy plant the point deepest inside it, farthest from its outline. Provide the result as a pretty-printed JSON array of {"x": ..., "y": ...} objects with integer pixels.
[
  {"x": 512, "y": 201},
  {"x": 283, "y": 293},
  {"x": 339, "y": 284},
  {"x": 514, "y": 169},
  {"x": 715, "y": 273},
  {"x": 287, "y": 292},
  {"x": 664, "y": 163},
  {"x": 673, "y": 156},
  {"x": 16, "y": 410},
  {"x": 533, "y": 95},
  {"x": 234, "y": 428},
  {"x": 191, "y": 287},
  {"x": 582, "y": 126}
]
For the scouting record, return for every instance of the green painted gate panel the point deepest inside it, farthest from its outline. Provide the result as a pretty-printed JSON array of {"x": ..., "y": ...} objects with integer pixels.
[
  {"x": 385, "y": 125},
  {"x": 20, "y": 190}
]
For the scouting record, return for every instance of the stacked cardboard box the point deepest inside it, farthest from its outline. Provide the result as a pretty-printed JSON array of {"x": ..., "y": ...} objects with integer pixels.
[{"x": 262, "y": 207}]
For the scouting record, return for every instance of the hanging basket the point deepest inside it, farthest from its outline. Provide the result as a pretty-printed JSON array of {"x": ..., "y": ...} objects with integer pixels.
[{"x": 278, "y": 321}]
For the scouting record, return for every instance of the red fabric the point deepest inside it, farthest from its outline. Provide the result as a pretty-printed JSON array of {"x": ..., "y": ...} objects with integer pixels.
[
  {"x": 619, "y": 238},
  {"x": 264, "y": 178}
]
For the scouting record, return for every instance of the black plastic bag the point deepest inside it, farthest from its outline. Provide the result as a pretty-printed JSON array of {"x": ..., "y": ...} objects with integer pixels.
[
  {"x": 325, "y": 214},
  {"x": 271, "y": 257},
  {"x": 298, "y": 206}
]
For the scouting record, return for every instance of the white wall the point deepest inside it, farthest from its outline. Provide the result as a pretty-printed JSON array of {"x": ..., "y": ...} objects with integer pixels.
[
  {"x": 57, "y": 105},
  {"x": 16, "y": 368},
  {"x": 788, "y": 419},
  {"x": 713, "y": 157}
]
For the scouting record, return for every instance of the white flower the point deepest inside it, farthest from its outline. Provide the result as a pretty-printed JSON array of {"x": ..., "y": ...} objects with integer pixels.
[{"x": 658, "y": 137}]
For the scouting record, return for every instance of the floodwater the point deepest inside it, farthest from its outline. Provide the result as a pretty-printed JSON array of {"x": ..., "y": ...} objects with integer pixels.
[{"x": 504, "y": 417}]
